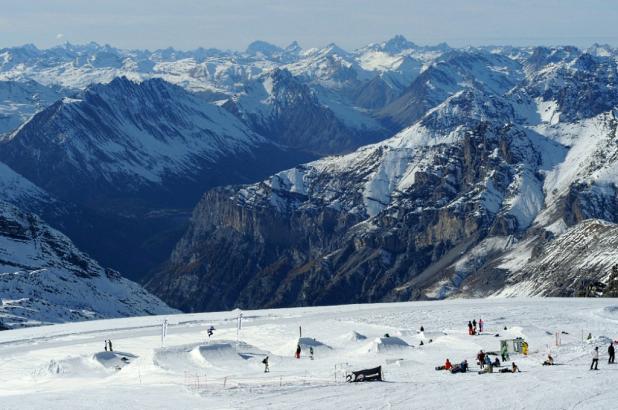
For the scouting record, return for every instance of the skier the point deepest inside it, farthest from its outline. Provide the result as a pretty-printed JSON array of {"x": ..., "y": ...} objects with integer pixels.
[
  {"x": 106, "y": 345},
  {"x": 480, "y": 325},
  {"x": 474, "y": 324},
  {"x": 480, "y": 357},
  {"x": 595, "y": 359},
  {"x": 266, "y": 368},
  {"x": 470, "y": 328},
  {"x": 298, "y": 351},
  {"x": 109, "y": 342},
  {"x": 612, "y": 353},
  {"x": 311, "y": 352}
]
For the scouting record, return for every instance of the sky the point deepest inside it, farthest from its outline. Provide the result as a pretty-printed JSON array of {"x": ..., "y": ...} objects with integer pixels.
[{"x": 233, "y": 24}]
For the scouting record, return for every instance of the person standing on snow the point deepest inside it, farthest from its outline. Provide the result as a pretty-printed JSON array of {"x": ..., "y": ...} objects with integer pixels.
[
  {"x": 595, "y": 359},
  {"x": 480, "y": 325},
  {"x": 470, "y": 328},
  {"x": 298, "y": 351},
  {"x": 612, "y": 353},
  {"x": 474, "y": 324},
  {"x": 266, "y": 368},
  {"x": 106, "y": 345},
  {"x": 481, "y": 359},
  {"x": 109, "y": 342},
  {"x": 311, "y": 352},
  {"x": 504, "y": 352}
]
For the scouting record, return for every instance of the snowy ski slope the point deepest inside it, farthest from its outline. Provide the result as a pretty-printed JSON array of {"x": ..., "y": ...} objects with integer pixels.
[{"x": 63, "y": 366}]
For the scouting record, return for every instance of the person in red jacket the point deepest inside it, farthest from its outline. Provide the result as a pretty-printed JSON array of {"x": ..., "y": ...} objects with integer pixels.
[{"x": 448, "y": 365}]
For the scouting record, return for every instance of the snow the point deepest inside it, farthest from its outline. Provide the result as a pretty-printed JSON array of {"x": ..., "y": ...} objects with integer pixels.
[{"x": 64, "y": 367}]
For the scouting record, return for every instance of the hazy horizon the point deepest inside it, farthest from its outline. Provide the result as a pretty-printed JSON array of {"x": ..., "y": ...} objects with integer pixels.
[{"x": 233, "y": 24}]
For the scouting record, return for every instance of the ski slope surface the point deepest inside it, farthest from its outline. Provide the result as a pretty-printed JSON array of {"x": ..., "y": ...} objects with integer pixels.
[{"x": 65, "y": 367}]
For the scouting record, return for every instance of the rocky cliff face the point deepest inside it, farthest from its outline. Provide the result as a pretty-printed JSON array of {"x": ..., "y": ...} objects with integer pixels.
[{"x": 475, "y": 198}]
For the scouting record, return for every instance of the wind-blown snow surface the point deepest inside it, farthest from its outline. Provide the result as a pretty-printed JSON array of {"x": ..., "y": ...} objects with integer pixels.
[{"x": 63, "y": 367}]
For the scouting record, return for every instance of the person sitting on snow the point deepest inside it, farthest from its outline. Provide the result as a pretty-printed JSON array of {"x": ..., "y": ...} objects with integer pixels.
[
  {"x": 549, "y": 361},
  {"x": 513, "y": 369},
  {"x": 496, "y": 362},
  {"x": 460, "y": 368},
  {"x": 448, "y": 365}
]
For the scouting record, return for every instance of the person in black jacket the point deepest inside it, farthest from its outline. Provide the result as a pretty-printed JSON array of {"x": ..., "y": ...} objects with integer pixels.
[{"x": 611, "y": 352}]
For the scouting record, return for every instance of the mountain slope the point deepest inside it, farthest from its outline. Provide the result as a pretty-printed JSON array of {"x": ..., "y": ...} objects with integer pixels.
[
  {"x": 280, "y": 107},
  {"x": 136, "y": 156},
  {"x": 45, "y": 279}
]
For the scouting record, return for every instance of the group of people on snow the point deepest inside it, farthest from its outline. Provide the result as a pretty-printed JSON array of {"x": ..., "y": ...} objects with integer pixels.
[
  {"x": 472, "y": 327},
  {"x": 611, "y": 353}
]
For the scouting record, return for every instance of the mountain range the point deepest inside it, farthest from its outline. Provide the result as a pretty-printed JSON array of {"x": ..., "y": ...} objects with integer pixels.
[{"x": 279, "y": 176}]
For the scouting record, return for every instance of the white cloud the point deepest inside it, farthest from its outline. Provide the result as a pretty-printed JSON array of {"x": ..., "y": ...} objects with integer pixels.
[{"x": 59, "y": 36}]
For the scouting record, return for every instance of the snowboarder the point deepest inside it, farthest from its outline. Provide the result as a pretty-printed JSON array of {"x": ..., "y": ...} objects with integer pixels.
[
  {"x": 489, "y": 367},
  {"x": 480, "y": 358},
  {"x": 106, "y": 345},
  {"x": 422, "y": 329},
  {"x": 298, "y": 351},
  {"x": 504, "y": 352},
  {"x": 612, "y": 353},
  {"x": 470, "y": 328},
  {"x": 311, "y": 352},
  {"x": 549, "y": 361},
  {"x": 211, "y": 331},
  {"x": 421, "y": 344},
  {"x": 480, "y": 325},
  {"x": 109, "y": 342},
  {"x": 448, "y": 365},
  {"x": 266, "y": 368},
  {"x": 595, "y": 359},
  {"x": 513, "y": 369},
  {"x": 474, "y": 324},
  {"x": 460, "y": 368}
]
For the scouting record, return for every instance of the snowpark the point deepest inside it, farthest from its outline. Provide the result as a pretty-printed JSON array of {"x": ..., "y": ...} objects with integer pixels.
[{"x": 65, "y": 366}]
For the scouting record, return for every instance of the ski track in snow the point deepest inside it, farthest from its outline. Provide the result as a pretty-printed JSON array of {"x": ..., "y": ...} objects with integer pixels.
[{"x": 62, "y": 366}]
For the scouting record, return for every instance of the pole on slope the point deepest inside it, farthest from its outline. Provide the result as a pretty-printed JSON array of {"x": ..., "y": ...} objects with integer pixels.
[
  {"x": 238, "y": 327},
  {"x": 300, "y": 332},
  {"x": 163, "y": 332}
]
